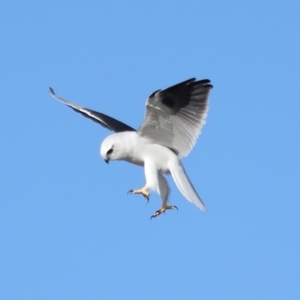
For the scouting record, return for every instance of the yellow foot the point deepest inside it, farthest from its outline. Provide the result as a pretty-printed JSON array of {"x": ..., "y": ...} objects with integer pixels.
[
  {"x": 162, "y": 210},
  {"x": 142, "y": 191}
]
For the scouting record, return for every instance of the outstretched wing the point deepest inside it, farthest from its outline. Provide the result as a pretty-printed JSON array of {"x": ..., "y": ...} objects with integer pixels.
[
  {"x": 104, "y": 120},
  {"x": 174, "y": 116}
]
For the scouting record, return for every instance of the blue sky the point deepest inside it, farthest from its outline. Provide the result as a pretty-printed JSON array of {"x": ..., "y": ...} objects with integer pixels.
[{"x": 69, "y": 230}]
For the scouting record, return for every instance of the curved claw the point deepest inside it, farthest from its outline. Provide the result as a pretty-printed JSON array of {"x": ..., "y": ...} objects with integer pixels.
[
  {"x": 144, "y": 195},
  {"x": 157, "y": 213},
  {"x": 163, "y": 210}
]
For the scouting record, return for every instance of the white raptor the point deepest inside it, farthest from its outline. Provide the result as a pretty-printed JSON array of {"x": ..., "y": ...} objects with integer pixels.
[{"x": 173, "y": 121}]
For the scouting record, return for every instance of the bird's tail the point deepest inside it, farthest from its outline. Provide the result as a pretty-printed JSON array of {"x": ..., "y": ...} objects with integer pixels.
[{"x": 184, "y": 185}]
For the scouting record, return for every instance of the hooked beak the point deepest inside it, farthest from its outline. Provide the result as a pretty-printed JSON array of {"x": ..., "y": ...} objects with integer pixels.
[{"x": 107, "y": 160}]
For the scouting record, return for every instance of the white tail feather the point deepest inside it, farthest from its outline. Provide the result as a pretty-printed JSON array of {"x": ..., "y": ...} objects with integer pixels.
[{"x": 184, "y": 185}]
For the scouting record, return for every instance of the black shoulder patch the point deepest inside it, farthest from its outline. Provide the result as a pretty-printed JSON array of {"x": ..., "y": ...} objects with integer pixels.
[{"x": 168, "y": 101}]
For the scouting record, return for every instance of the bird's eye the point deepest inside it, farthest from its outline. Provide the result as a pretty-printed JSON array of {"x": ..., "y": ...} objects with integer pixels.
[{"x": 109, "y": 152}]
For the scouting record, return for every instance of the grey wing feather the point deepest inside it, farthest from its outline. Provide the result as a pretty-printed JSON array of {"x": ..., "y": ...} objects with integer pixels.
[
  {"x": 174, "y": 116},
  {"x": 102, "y": 119}
]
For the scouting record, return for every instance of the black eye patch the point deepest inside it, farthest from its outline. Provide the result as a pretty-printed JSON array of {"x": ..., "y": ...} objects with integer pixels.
[{"x": 110, "y": 151}]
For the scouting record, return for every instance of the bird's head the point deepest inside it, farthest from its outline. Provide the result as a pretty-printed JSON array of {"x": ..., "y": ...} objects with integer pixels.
[{"x": 110, "y": 149}]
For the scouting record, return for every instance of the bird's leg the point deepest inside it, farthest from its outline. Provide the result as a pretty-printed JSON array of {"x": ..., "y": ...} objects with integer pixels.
[
  {"x": 163, "y": 209},
  {"x": 143, "y": 191},
  {"x": 163, "y": 190}
]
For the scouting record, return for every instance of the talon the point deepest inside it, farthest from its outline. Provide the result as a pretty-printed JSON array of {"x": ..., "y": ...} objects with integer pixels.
[
  {"x": 163, "y": 210},
  {"x": 142, "y": 191},
  {"x": 157, "y": 213}
]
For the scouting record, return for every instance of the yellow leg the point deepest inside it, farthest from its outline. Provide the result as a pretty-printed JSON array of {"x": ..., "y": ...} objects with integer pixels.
[{"x": 143, "y": 191}]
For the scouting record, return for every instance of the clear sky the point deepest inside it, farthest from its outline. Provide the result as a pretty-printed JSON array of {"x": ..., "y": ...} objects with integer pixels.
[{"x": 68, "y": 229}]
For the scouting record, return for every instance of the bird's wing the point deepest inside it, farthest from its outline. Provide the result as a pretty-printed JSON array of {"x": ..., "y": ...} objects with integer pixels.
[
  {"x": 104, "y": 120},
  {"x": 174, "y": 116}
]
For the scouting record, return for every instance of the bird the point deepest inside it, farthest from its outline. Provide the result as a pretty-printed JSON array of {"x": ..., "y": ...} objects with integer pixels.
[{"x": 173, "y": 121}]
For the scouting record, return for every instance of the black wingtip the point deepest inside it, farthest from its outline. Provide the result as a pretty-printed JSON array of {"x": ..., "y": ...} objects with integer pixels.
[
  {"x": 51, "y": 91},
  {"x": 204, "y": 82}
]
